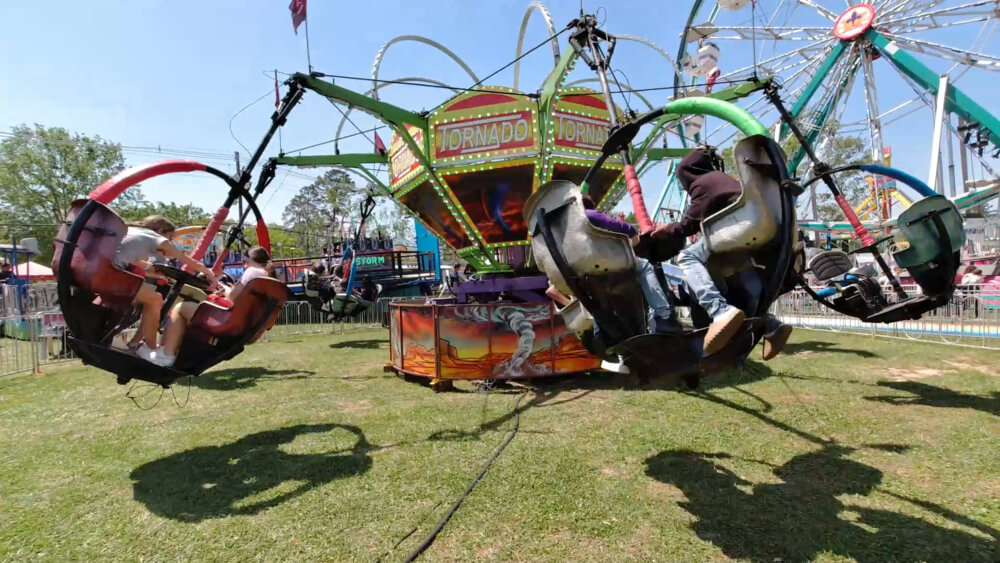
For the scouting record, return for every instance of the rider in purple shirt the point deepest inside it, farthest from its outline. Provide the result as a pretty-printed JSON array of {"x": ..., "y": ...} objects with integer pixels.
[{"x": 607, "y": 222}]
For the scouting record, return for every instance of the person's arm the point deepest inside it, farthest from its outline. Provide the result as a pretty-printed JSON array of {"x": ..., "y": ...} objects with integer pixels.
[
  {"x": 171, "y": 251},
  {"x": 557, "y": 296},
  {"x": 689, "y": 224}
]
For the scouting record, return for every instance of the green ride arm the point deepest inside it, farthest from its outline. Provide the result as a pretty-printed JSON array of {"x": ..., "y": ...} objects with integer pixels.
[{"x": 726, "y": 111}]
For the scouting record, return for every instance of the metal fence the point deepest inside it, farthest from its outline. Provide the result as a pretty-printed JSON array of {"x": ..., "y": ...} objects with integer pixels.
[
  {"x": 971, "y": 318},
  {"x": 299, "y": 317},
  {"x": 31, "y": 341},
  {"x": 28, "y": 342}
]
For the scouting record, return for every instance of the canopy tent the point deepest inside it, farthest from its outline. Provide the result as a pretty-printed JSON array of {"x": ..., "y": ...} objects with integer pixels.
[{"x": 37, "y": 271}]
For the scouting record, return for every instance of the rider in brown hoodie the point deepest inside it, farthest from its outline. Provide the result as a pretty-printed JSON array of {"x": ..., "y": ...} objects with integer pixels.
[{"x": 711, "y": 190}]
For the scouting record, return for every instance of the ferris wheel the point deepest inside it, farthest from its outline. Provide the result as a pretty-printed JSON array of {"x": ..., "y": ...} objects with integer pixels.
[{"x": 891, "y": 72}]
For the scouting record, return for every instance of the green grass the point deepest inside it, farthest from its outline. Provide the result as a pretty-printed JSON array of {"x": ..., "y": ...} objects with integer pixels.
[{"x": 302, "y": 449}]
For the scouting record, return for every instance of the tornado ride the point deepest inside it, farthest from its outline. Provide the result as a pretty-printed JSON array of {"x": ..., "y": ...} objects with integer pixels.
[{"x": 498, "y": 175}]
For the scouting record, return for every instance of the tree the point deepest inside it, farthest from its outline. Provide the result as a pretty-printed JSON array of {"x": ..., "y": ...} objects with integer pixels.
[
  {"x": 181, "y": 215},
  {"x": 42, "y": 170},
  {"x": 279, "y": 235},
  {"x": 395, "y": 222},
  {"x": 319, "y": 208},
  {"x": 837, "y": 151}
]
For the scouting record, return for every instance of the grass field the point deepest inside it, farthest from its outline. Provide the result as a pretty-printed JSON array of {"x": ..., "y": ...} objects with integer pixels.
[{"x": 302, "y": 449}]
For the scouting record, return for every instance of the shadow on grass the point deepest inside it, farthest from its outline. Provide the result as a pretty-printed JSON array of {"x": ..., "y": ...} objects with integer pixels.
[
  {"x": 246, "y": 476},
  {"x": 547, "y": 390},
  {"x": 539, "y": 399},
  {"x": 801, "y": 517},
  {"x": 373, "y": 344},
  {"x": 820, "y": 346},
  {"x": 933, "y": 396},
  {"x": 748, "y": 372},
  {"x": 244, "y": 378}
]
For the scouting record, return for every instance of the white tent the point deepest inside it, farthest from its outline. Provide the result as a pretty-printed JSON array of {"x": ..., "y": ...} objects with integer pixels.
[{"x": 35, "y": 270}]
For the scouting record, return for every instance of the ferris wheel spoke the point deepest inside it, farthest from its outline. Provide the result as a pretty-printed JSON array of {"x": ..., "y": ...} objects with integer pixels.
[
  {"x": 969, "y": 58},
  {"x": 929, "y": 102},
  {"x": 806, "y": 53},
  {"x": 942, "y": 25},
  {"x": 874, "y": 121},
  {"x": 763, "y": 33},
  {"x": 980, "y": 8},
  {"x": 814, "y": 5}
]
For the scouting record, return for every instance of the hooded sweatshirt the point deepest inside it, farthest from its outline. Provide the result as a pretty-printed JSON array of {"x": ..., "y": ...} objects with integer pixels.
[{"x": 710, "y": 190}]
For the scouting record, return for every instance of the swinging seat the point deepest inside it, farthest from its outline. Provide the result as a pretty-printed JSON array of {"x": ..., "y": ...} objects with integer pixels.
[
  {"x": 933, "y": 229},
  {"x": 752, "y": 221},
  {"x": 343, "y": 305},
  {"x": 929, "y": 238},
  {"x": 592, "y": 264},
  {"x": 218, "y": 333},
  {"x": 102, "y": 293},
  {"x": 598, "y": 267},
  {"x": 830, "y": 264}
]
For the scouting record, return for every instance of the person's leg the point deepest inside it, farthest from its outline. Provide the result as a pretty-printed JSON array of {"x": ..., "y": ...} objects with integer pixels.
[
  {"x": 692, "y": 261},
  {"x": 151, "y": 302},
  {"x": 660, "y": 307},
  {"x": 726, "y": 319},
  {"x": 177, "y": 321},
  {"x": 656, "y": 297},
  {"x": 753, "y": 286}
]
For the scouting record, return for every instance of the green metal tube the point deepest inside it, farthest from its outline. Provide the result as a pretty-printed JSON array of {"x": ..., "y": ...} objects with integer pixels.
[{"x": 732, "y": 113}]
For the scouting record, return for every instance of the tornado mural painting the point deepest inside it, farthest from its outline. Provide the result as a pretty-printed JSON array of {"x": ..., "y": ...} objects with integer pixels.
[{"x": 500, "y": 341}]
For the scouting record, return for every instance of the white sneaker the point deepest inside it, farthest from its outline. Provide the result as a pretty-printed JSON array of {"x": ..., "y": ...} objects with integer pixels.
[
  {"x": 613, "y": 367},
  {"x": 145, "y": 353},
  {"x": 155, "y": 357},
  {"x": 163, "y": 359}
]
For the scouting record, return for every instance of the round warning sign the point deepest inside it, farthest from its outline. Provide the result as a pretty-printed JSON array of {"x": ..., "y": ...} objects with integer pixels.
[{"x": 855, "y": 21}]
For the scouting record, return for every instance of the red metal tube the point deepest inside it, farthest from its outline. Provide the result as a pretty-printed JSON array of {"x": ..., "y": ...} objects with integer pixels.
[{"x": 638, "y": 204}]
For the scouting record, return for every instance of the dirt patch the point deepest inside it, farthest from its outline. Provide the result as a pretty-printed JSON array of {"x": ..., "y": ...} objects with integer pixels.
[
  {"x": 355, "y": 406},
  {"x": 910, "y": 374},
  {"x": 611, "y": 472},
  {"x": 487, "y": 551},
  {"x": 965, "y": 365}
]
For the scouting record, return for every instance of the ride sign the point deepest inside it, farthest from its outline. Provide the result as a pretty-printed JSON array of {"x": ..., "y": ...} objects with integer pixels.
[
  {"x": 482, "y": 135},
  {"x": 578, "y": 132},
  {"x": 374, "y": 262},
  {"x": 490, "y": 122},
  {"x": 403, "y": 165},
  {"x": 855, "y": 21}
]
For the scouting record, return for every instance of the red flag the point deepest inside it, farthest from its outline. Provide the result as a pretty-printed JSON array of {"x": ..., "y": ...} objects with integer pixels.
[
  {"x": 277, "y": 96},
  {"x": 298, "y": 8},
  {"x": 713, "y": 75},
  {"x": 379, "y": 145}
]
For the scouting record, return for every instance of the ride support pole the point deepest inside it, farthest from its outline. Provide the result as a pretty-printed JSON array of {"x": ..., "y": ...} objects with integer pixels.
[
  {"x": 822, "y": 170},
  {"x": 631, "y": 179}
]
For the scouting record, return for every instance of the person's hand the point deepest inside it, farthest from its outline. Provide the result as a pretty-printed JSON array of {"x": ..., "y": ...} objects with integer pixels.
[
  {"x": 213, "y": 282},
  {"x": 661, "y": 231}
]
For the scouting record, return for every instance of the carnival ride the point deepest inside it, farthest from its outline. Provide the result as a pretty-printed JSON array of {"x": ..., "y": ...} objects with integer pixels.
[
  {"x": 495, "y": 173},
  {"x": 96, "y": 296},
  {"x": 895, "y": 54}
]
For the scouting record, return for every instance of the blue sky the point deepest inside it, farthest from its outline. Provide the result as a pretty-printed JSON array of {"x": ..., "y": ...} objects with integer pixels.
[{"x": 173, "y": 73}]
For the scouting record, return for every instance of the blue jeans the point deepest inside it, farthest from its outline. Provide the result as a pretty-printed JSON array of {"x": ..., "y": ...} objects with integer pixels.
[
  {"x": 656, "y": 297},
  {"x": 693, "y": 261}
]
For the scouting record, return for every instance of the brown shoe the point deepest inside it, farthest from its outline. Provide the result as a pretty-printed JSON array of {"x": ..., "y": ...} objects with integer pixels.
[
  {"x": 773, "y": 345},
  {"x": 722, "y": 330}
]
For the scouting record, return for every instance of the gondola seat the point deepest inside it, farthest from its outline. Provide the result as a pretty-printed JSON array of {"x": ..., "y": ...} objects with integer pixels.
[
  {"x": 93, "y": 269},
  {"x": 931, "y": 235}
]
